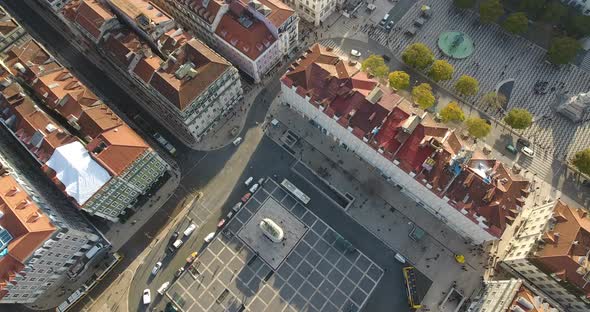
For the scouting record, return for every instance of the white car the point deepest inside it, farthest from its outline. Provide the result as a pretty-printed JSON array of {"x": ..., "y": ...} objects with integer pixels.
[
  {"x": 147, "y": 296},
  {"x": 209, "y": 237},
  {"x": 248, "y": 181},
  {"x": 254, "y": 188},
  {"x": 527, "y": 151},
  {"x": 190, "y": 229},
  {"x": 156, "y": 268},
  {"x": 355, "y": 53},
  {"x": 163, "y": 288}
]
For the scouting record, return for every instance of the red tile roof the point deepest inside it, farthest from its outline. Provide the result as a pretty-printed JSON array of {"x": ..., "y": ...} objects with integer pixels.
[
  {"x": 207, "y": 66},
  {"x": 31, "y": 120},
  {"x": 279, "y": 12},
  {"x": 123, "y": 44},
  {"x": 206, "y": 9},
  {"x": 31, "y": 58},
  {"x": 27, "y": 224},
  {"x": 566, "y": 246},
  {"x": 117, "y": 148},
  {"x": 135, "y": 8},
  {"x": 252, "y": 41},
  {"x": 91, "y": 15}
]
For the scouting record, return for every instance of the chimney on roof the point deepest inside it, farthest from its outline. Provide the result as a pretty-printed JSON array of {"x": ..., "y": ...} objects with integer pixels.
[
  {"x": 34, "y": 217},
  {"x": 23, "y": 204},
  {"x": 13, "y": 191}
]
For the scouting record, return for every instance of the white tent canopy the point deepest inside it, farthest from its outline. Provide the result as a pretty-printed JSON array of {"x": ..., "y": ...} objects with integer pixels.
[{"x": 77, "y": 170}]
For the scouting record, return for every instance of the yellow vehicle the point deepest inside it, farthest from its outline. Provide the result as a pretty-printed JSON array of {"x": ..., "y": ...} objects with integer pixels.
[
  {"x": 410, "y": 281},
  {"x": 192, "y": 257}
]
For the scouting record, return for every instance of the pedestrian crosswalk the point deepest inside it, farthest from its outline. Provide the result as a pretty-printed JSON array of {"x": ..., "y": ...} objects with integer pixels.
[{"x": 499, "y": 57}]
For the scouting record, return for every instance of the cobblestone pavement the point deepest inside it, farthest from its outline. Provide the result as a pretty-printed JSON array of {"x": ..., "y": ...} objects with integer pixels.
[{"x": 498, "y": 57}]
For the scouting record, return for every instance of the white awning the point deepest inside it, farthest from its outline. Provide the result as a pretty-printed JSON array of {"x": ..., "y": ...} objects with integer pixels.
[{"x": 77, "y": 171}]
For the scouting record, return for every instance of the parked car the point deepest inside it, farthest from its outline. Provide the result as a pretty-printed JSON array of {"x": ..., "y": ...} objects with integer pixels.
[
  {"x": 209, "y": 237},
  {"x": 527, "y": 151},
  {"x": 386, "y": 58},
  {"x": 192, "y": 257},
  {"x": 173, "y": 237},
  {"x": 156, "y": 267},
  {"x": 177, "y": 243},
  {"x": 190, "y": 229},
  {"x": 355, "y": 53},
  {"x": 511, "y": 149},
  {"x": 221, "y": 223},
  {"x": 237, "y": 207},
  {"x": 246, "y": 197},
  {"x": 389, "y": 25},
  {"x": 248, "y": 181},
  {"x": 179, "y": 271},
  {"x": 254, "y": 188},
  {"x": 163, "y": 288},
  {"x": 261, "y": 181},
  {"x": 237, "y": 141},
  {"x": 147, "y": 296}
]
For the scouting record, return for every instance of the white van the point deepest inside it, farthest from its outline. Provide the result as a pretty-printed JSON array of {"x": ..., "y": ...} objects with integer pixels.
[
  {"x": 177, "y": 243},
  {"x": 248, "y": 181},
  {"x": 400, "y": 258},
  {"x": 190, "y": 229},
  {"x": 384, "y": 20},
  {"x": 237, "y": 141},
  {"x": 163, "y": 288}
]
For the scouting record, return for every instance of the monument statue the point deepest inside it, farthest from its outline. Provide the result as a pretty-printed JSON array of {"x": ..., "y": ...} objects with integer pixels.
[
  {"x": 272, "y": 230},
  {"x": 574, "y": 107}
]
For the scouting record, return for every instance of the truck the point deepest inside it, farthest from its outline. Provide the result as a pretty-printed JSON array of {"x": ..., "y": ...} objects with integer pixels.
[{"x": 164, "y": 143}]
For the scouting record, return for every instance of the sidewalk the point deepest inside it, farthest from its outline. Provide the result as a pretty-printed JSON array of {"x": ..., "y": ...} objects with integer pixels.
[{"x": 387, "y": 213}]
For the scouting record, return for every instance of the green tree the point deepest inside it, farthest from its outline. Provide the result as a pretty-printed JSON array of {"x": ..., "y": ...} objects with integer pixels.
[
  {"x": 563, "y": 50},
  {"x": 554, "y": 12},
  {"x": 467, "y": 85},
  {"x": 452, "y": 113},
  {"x": 518, "y": 118},
  {"x": 477, "y": 127},
  {"x": 464, "y": 4},
  {"x": 422, "y": 95},
  {"x": 441, "y": 70},
  {"x": 375, "y": 65},
  {"x": 582, "y": 161},
  {"x": 493, "y": 99},
  {"x": 418, "y": 55},
  {"x": 490, "y": 11},
  {"x": 399, "y": 80},
  {"x": 516, "y": 23}
]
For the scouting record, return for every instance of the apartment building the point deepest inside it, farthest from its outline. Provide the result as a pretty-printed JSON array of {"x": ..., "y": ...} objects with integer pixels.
[
  {"x": 477, "y": 196},
  {"x": 185, "y": 84},
  {"x": 253, "y": 35},
  {"x": 11, "y": 32},
  {"x": 87, "y": 150},
  {"x": 315, "y": 11},
  {"x": 551, "y": 250},
  {"x": 93, "y": 17},
  {"x": 510, "y": 295},
  {"x": 583, "y": 6},
  {"x": 42, "y": 245}
]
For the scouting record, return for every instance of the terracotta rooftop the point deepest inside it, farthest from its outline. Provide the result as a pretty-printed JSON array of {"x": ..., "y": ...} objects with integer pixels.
[
  {"x": 7, "y": 26},
  {"x": 567, "y": 246},
  {"x": 135, "y": 9},
  {"x": 29, "y": 60},
  {"x": 244, "y": 32},
  {"x": 206, "y": 9},
  {"x": 25, "y": 222},
  {"x": 35, "y": 129},
  {"x": 538, "y": 303},
  {"x": 172, "y": 40},
  {"x": 147, "y": 67},
  {"x": 183, "y": 78},
  {"x": 279, "y": 12},
  {"x": 117, "y": 148},
  {"x": 123, "y": 44},
  {"x": 91, "y": 15}
]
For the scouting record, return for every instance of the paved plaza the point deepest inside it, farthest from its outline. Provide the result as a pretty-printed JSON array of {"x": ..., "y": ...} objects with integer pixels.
[
  {"x": 499, "y": 57},
  {"x": 322, "y": 272}
]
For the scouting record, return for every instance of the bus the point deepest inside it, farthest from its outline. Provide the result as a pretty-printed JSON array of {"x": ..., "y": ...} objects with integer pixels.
[
  {"x": 295, "y": 191},
  {"x": 410, "y": 281}
]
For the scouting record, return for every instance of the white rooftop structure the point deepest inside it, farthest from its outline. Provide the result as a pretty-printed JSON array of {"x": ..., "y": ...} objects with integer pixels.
[{"x": 78, "y": 172}]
